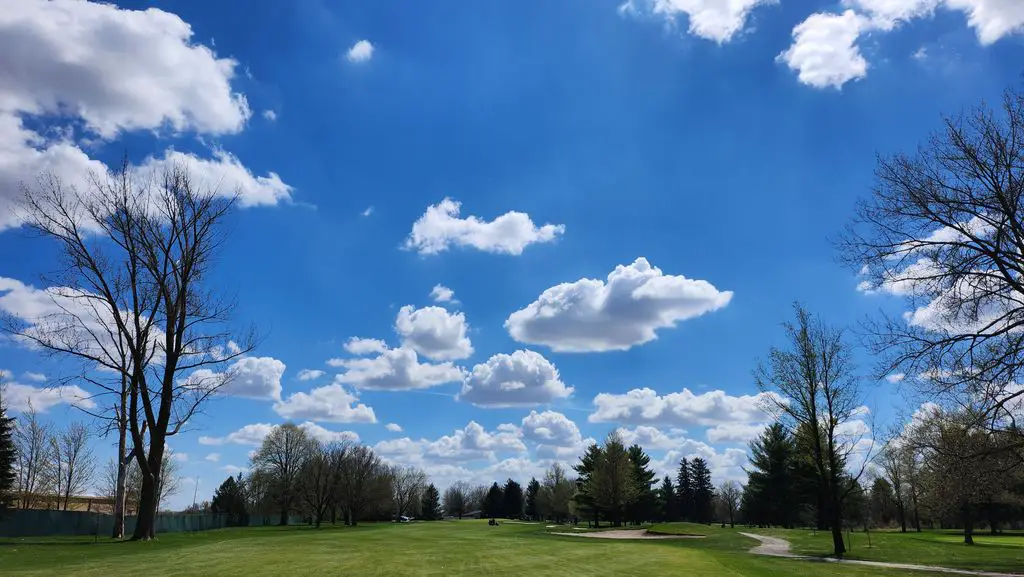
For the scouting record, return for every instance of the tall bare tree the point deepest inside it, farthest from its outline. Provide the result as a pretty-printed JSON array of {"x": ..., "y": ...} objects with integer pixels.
[
  {"x": 72, "y": 462},
  {"x": 280, "y": 458},
  {"x": 944, "y": 229},
  {"x": 811, "y": 387},
  {"x": 729, "y": 493},
  {"x": 364, "y": 483},
  {"x": 408, "y": 484},
  {"x": 455, "y": 499},
  {"x": 31, "y": 441},
  {"x": 130, "y": 299},
  {"x": 319, "y": 475}
]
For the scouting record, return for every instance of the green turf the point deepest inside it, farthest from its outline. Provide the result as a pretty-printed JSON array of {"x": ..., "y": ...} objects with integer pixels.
[
  {"x": 442, "y": 548},
  {"x": 1001, "y": 553}
]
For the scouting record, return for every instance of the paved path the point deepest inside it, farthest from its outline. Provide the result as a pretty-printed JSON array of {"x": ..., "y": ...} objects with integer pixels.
[{"x": 780, "y": 548}]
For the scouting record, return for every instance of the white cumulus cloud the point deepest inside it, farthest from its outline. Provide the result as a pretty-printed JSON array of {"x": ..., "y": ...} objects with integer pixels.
[
  {"x": 441, "y": 228},
  {"x": 591, "y": 315},
  {"x": 645, "y": 406},
  {"x": 522, "y": 379},
  {"x": 19, "y": 397},
  {"x": 434, "y": 332},
  {"x": 331, "y": 403},
  {"x": 248, "y": 377},
  {"x": 393, "y": 427},
  {"x": 442, "y": 294},
  {"x": 360, "y": 52},
  {"x": 717, "y": 20},
  {"x": 326, "y": 436},
  {"x": 395, "y": 370},
  {"x": 248, "y": 435},
  {"x": 359, "y": 346},
  {"x": 310, "y": 374},
  {"x": 824, "y": 52}
]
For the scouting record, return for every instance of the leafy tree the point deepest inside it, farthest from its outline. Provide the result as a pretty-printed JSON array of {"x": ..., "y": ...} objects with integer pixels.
[
  {"x": 512, "y": 503},
  {"x": 667, "y": 505},
  {"x": 684, "y": 490},
  {"x": 431, "y": 503},
  {"x": 556, "y": 494},
  {"x": 644, "y": 503},
  {"x": 612, "y": 484},
  {"x": 229, "y": 500},
  {"x": 8, "y": 454},
  {"x": 532, "y": 489},
  {"x": 493, "y": 502},
  {"x": 703, "y": 491}
]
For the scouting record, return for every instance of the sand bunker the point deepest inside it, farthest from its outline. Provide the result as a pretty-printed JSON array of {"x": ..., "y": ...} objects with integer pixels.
[{"x": 628, "y": 534}]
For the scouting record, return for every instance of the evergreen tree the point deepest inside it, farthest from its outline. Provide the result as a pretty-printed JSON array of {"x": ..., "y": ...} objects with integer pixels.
[
  {"x": 8, "y": 455},
  {"x": 431, "y": 503},
  {"x": 493, "y": 502},
  {"x": 644, "y": 504},
  {"x": 684, "y": 491},
  {"x": 229, "y": 500},
  {"x": 667, "y": 506},
  {"x": 532, "y": 489},
  {"x": 611, "y": 484},
  {"x": 770, "y": 497},
  {"x": 703, "y": 491},
  {"x": 584, "y": 499},
  {"x": 512, "y": 504}
]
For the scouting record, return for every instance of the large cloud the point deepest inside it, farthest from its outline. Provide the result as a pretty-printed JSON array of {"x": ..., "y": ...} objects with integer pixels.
[
  {"x": 248, "y": 435},
  {"x": 395, "y": 370},
  {"x": 718, "y": 20},
  {"x": 471, "y": 443},
  {"x": 590, "y": 315},
  {"x": 645, "y": 406},
  {"x": 522, "y": 379},
  {"x": 434, "y": 332},
  {"x": 111, "y": 71},
  {"x": 248, "y": 377},
  {"x": 825, "y": 53},
  {"x": 331, "y": 403},
  {"x": 556, "y": 436},
  {"x": 22, "y": 398},
  {"x": 440, "y": 228}
]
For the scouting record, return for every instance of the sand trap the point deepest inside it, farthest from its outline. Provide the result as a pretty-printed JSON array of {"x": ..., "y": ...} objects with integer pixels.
[
  {"x": 550, "y": 526},
  {"x": 628, "y": 534},
  {"x": 520, "y": 523}
]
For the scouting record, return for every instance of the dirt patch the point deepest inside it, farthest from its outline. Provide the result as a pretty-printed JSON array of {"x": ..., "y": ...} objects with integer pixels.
[{"x": 628, "y": 534}]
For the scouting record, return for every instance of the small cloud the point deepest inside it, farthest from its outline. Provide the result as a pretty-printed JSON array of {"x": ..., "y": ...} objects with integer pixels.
[
  {"x": 920, "y": 54},
  {"x": 180, "y": 457},
  {"x": 393, "y": 427},
  {"x": 37, "y": 377},
  {"x": 270, "y": 115},
  {"x": 442, "y": 294},
  {"x": 213, "y": 457},
  {"x": 310, "y": 374},
  {"x": 895, "y": 378},
  {"x": 368, "y": 211},
  {"x": 360, "y": 52}
]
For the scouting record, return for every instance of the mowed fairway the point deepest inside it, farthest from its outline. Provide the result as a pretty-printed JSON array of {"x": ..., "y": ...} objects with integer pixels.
[{"x": 441, "y": 548}]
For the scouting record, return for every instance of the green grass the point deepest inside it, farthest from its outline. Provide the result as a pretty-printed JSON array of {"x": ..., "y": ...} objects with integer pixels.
[
  {"x": 441, "y": 548},
  {"x": 1001, "y": 553}
]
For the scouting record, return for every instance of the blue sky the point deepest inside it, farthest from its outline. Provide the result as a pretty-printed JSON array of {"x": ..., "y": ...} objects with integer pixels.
[{"x": 506, "y": 151}]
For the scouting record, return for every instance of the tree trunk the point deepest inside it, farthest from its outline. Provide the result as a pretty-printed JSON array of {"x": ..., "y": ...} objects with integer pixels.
[
  {"x": 145, "y": 522},
  {"x": 968, "y": 525},
  {"x": 122, "y": 480},
  {"x": 902, "y": 513},
  {"x": 836, "y": 517}
]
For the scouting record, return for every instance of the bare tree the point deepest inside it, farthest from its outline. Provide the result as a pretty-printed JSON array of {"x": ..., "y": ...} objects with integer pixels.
[
  {"x": 73, "y": 464},
  {"x": 812, "y": 389},
  {"x": 31, "y": 440},
  {"x": 729, "y": 493},
  {"x": 363, "y": 483},
  {"x": 556, "y": 492},
  {"x": 280, "y": 458},
  {"x": 131, "y": 300},
  {"x": 893, "y": 465},
  {"x": 455, "y": 499},
  {"x": 944, "y": 229},
  {"x": 319, "y": 475},
  {"x": 408, "y": 484}
]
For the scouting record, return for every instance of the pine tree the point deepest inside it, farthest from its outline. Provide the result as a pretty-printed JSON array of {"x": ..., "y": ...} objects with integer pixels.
[
  {"x": 770, "y": 497},
  {"x": 431, "y": 503},
  {"x": 684, "y": 491},
  {"x": 532, "y": 489},
  {"x": 585, "y": 499},
  {"x": 703, "y": 491},
  {"x": 667, "y": 503},
  {"x": 8, "y": 455},
  {"x": 229, "y": 500},
  {"x": 493, "y": 502},
  {"x": 512, "y": 500},
  {"x": 644, "y": 504}
]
